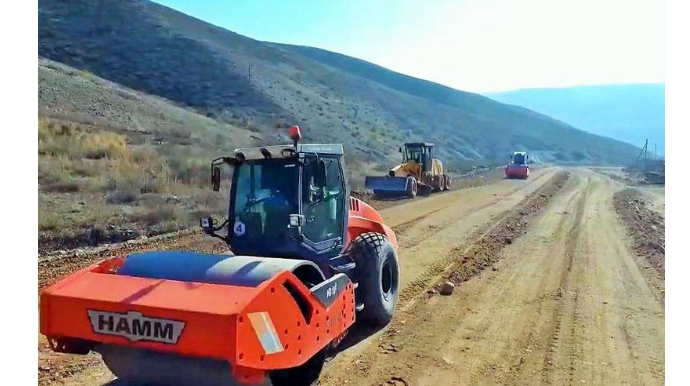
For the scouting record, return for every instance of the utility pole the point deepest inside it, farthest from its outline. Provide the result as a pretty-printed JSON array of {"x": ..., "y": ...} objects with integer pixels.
[
  {"x": 655, "y": 156},
  {"x": 642, "y": 151}
]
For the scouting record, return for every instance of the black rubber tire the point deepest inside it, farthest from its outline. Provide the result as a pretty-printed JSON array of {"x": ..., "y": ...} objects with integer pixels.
[
  {"x": 378, "y": 275},
  {"x": 304, "y": 375},
  {"x": 425, "y": 190},
  {"x": 411, "y": 187},
  {"x": 448, "y": 182}
]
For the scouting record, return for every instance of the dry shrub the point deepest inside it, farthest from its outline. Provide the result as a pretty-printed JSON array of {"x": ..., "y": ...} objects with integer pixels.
[
  {"x": 102, "y": 145},
  {"x": 66, "y": 139},
  {"x": 161, "y": 214},
  {"x": 69, "y": 186}
]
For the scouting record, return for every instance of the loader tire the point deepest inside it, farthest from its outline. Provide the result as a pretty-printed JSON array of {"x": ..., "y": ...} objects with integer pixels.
[
  {"x": 303, "y": 375},
  {"x": 411, "y": 187},
  {"x": 378, "y": 277},
  {"x": 449, "y": 180}
]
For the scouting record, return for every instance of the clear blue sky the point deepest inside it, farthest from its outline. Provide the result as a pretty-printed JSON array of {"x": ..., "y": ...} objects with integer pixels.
[{"x": 473, "y": 45}]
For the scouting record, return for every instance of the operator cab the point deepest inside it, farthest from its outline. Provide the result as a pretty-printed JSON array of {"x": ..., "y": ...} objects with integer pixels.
[
  {"x": 519, "y": 158},
  {"x": 418, "y": 152},
  {"x": 285, "y": 201}
]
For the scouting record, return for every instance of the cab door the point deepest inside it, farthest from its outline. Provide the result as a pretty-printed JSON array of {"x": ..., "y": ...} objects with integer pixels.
[{"x": 323, "y": 207}]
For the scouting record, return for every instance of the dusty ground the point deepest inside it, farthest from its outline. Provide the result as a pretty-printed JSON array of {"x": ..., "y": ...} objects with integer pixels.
[
  {"x": 618, "y": 174},
  {"x": 655, "y": 196},
  {"x": 645, "y": 225},
  {"x": 564, "y": 301}
]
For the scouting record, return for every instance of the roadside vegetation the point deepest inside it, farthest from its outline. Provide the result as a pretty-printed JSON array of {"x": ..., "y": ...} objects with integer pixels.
[{"x": 96, "y": 186}]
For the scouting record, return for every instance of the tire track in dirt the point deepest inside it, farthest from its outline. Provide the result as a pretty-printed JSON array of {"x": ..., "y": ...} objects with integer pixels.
[
  {"x": 462, "y": 254},
  {"x": 401, "y": 228},
  {"x": 459, "y": 218},
  {"x": 569, "y": 293},
  {"x": 434, "y": 229},
  {"x": 518, "y": 363},
  {"x": 458, "y": 265},
  {"x": 533, "y": 337},
  {"x": 592, "y": 239},
  {"x": 560, "y": 317}
]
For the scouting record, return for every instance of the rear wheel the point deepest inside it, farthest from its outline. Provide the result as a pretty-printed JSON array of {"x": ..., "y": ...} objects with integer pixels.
[
  {"x": 411, "y": 187},
  {"x": 441, "y": 183},
  {"x": 448, "y": 181},
  {"x": 378, "y": 276}
]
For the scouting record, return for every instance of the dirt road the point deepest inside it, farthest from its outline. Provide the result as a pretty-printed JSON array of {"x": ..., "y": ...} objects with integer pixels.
[{"x": 566, "y": 303}]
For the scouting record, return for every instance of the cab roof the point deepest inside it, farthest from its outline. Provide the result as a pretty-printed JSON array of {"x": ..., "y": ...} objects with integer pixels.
[
  {"x": 425, "y": 144},
  {"x": 289, "y": 151}
]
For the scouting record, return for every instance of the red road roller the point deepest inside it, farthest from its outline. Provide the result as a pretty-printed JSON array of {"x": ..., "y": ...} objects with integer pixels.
[
  {"x": 308, "y": 261},
  {"x": 518, "y": 167}
]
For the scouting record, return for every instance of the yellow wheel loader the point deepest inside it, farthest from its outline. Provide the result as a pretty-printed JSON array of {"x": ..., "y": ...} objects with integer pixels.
[{"x": 419, "y": 172}]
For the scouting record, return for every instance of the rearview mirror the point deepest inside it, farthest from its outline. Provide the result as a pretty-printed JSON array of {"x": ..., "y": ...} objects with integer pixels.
[{"x": 215, "y": 179}]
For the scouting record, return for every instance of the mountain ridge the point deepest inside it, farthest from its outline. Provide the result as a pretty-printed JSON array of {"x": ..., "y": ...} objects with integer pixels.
[
  {"x": 153, "y": 49},
  {"x": 626, "y": 112}
]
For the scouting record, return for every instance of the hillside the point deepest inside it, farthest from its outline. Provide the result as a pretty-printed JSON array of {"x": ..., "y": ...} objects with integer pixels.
[
  {"x": 196, "y": 66},
  {"x": 628, "y": 113},
  {"x": 115, "y": 164}
]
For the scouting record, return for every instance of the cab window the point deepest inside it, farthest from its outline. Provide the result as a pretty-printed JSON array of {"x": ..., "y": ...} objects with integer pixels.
[{"x": 322, "y": 206}]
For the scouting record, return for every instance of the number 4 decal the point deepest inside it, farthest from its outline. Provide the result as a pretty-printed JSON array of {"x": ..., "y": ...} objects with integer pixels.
[{"x": 239, "y": 228}]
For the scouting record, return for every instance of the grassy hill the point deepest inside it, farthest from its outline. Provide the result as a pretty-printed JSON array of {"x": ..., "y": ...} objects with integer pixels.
[
  {"x": 135, "y": 99},
  {"x": 158, "y": 51},
  {"x": 628, "y": 112},
  {"x": 114, "y": 163}
]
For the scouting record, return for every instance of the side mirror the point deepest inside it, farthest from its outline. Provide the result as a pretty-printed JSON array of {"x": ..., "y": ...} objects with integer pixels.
[
  {"x": 295, "y": 225},
  {"x": 400, "y": 150},
  {"x": 215, "y": 179},
  {"x": 296, "y": 220},
  {"x": 206, "y": 224},
  {"x": 320, "y": 176}
]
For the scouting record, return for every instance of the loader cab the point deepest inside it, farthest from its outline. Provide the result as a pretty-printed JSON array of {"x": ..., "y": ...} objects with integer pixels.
[
  {"x": 420, "y": 153},
  {"x": 288, "y": 201}
]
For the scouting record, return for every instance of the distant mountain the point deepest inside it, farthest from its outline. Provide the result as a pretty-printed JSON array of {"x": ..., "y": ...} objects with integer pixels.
[
  {"x": 629, "y": 113},
  {"x": 154, "y": 50}
]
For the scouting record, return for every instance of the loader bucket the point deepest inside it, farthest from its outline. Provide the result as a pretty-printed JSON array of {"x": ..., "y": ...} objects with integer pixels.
[
  {"x": 180, "y": 311},
  {"x": 396, "y": 185}
]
